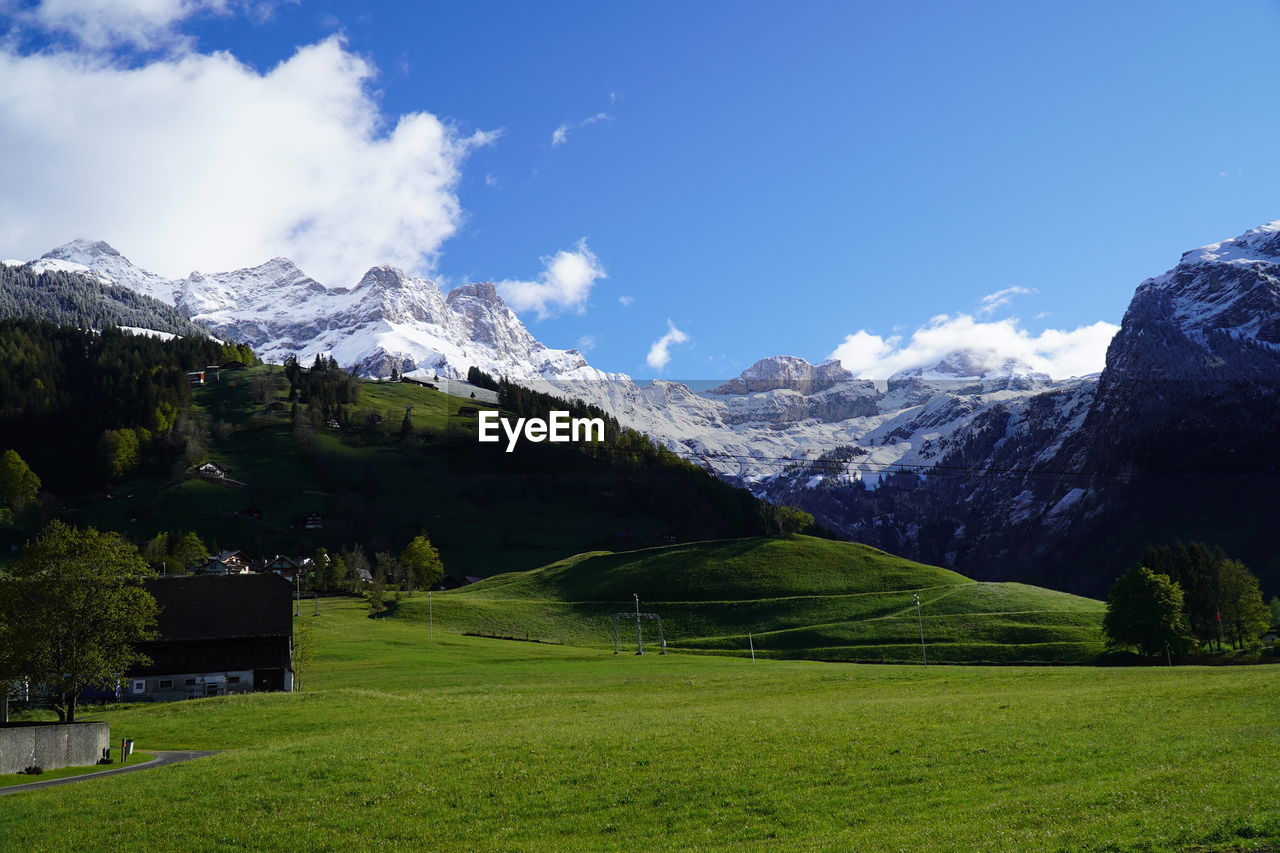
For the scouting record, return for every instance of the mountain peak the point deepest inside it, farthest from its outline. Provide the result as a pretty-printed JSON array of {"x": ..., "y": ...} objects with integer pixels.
[
  {"x": 786, "y": 371},
  {"x": 1232, "y": 287},
  {"x": 77, "y": 250},
  {"x": 482, "y": 291}
]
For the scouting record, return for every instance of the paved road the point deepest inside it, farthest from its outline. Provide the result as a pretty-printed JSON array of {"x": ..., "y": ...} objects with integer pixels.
[{"x": 162, "y": 757}]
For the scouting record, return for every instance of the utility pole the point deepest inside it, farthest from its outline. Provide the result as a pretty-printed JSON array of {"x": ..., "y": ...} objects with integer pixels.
[
  {"x": 297, "y": 593},
  {"x": 920, "y": 618},
  {"x": 639, "y": 630},
  {"x": 751, "y": 643}
]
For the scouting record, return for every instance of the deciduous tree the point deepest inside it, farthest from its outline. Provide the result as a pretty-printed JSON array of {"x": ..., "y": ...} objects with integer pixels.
[
  {"x": 1144, "y": 610},
  {"x": 76, "y": 608},
  {"x": 422, "y": 559}
]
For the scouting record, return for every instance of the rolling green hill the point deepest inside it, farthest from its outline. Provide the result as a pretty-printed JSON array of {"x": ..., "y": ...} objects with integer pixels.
[
  {"x": 799, "y": 597},
  {"x": 487, "y": 510}
]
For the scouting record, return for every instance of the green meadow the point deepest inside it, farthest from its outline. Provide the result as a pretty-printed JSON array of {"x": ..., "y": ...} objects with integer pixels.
[
  {"x": 796, "y": 597},
  {"x": 405, "y": 741}
]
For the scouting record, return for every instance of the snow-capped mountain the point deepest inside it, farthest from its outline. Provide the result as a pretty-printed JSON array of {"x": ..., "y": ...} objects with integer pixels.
[
  {"x": 388, "y": 320},
  {"x": 976, "y": 463},
  {"x": 1063, "y": 484}
]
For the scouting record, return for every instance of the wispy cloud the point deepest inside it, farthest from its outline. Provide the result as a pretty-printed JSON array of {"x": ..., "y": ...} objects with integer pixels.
[
  {"x": 560, "y": 135},
  {"x": 626, "y": 301},
  {"x": 586, "y": 343},
  {"x": 993, "y": 301},
  {"x": 565, "y": 283},
  {"x": 660, "y": 351}
]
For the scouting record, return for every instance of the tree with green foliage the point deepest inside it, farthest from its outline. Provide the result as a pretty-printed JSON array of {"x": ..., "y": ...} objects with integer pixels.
[
  {"x": 322, "y": 569},
  {"x": 19, "y": 485},
  {"x": 76, "y": 608},
  {"x": 1275, "y": 609},
  {"x": 1144, "y": 610},
  {"x": 376, "y": 594},
  {"x": 1244, "y": 614},
  {"x": 156, "y": 551},
  {"x": 341, "y": 574},
  {"x": 422, "y": 559},
  {"x": 187, "y": 549},
  {"x": 119, "y": 453},
  {"x": 1221, "y": 597}
]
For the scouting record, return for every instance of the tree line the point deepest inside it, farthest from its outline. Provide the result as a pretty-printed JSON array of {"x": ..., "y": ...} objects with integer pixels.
[
  {"x": 1185, "y": 597},
  {"x": 84, "y": 409},
  {"x": 71, "y": 299}
]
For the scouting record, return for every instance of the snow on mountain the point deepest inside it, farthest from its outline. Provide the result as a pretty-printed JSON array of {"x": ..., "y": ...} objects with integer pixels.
[
  {"x": 387, "y": 321},
  {"x": 1231, "y": 286},
  {"x": 110, "y": 267}
]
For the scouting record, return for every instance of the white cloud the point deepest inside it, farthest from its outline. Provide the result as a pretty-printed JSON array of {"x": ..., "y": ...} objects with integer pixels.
[
  {"x": 560, "y": 135},
  {"x": 626, "y": 301},
  {"x": 491, "y": 181},
  {"x": 1058, "y": 353},
  {"x": 565, "y": 283},
  {"x": 145, "y": 24},
  {"x": 587, "y": 343},
  {"x": 660, "y": 351},
  {"x": 999, "y": 299},
  {"x": 199, "y": 160}
]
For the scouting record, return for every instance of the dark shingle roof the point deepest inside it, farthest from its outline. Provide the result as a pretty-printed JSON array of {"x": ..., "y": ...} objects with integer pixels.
[{"x": 220, "y": 607}]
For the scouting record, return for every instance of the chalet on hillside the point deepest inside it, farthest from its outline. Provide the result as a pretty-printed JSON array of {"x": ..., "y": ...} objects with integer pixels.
[
  {"x": 215, "y": 473},
  {"x": 285, "y": 567},
  {"x": 232, "y": 365},
  {"x": 411, "y": 381},
  {"x": 225, "y": 563},
  {"x": 195, "y": 377},
  {"x": 217, "y": 635}
]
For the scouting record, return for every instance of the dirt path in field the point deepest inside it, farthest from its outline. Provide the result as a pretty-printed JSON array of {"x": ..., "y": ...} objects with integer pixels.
[{"x": 162, "y": 757}]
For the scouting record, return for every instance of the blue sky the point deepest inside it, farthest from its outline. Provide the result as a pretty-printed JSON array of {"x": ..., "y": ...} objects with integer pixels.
[{"x": 771, "y": 178}]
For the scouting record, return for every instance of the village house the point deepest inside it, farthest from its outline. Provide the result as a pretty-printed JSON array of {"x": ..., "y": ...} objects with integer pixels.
[
  {"x": 217, "y": 635},
  {"x": 225, "y": 563},
  {"x": 285, "y": 567}
]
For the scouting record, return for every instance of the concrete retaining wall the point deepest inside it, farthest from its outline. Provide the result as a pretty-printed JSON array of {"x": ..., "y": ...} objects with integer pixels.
[{"x": 52, "y": 745}]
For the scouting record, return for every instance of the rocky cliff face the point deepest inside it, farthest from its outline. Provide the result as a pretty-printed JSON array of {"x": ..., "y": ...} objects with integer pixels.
[{"x": 1065, "y": 485}]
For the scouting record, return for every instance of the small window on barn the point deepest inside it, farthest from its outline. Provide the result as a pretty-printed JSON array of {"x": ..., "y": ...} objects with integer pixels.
[
  {"x": 191, "y": 682},
  {"x": 139, "y": 687},
  {"x": 165, "y": 684},
  {"x": 233, "y": 679}
]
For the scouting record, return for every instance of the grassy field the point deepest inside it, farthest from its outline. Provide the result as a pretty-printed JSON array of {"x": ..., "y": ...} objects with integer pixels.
[
  {"x": 399, "y": 742},
  {"x": 799, "y": 597}
]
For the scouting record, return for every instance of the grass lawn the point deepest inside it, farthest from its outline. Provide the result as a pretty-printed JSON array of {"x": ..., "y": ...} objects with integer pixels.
[
  {"x": 400, "y": 742},
  {"x": 7, "y": 779}
]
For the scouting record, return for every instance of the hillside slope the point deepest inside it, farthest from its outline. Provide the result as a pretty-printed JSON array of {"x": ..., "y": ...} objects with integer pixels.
[
  {"x": 799, "y": 597},
  {"x": 487, "y": 510}
]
